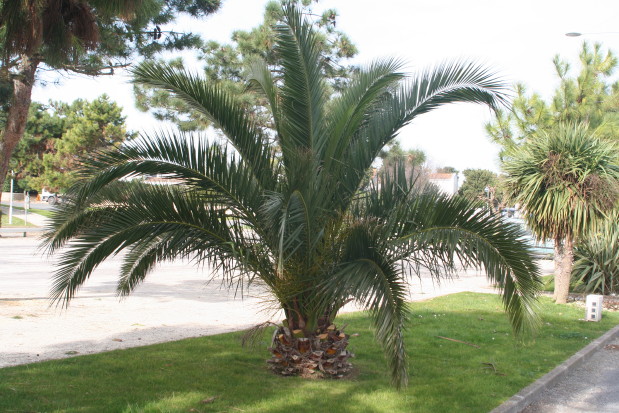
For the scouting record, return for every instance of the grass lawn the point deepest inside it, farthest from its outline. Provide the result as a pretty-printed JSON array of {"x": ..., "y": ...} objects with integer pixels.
[
  {"x": 214, "y": 374},
  {"x": 17, "y": 222},
  {"x": 549, "y": 283},
  {"x": 45, "y": 212}
]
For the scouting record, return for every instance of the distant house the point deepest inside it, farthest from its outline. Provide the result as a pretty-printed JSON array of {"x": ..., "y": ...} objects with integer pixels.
[{"x": 447, "y": 183}]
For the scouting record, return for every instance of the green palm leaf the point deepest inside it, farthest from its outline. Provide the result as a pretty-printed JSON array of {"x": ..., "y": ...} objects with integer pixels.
[
  {"x": 219, "y": 108},
  {"x": 303, "y": 93}
]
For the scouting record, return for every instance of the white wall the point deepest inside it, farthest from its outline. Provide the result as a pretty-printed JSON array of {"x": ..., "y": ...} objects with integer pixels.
[
  {"x": 6, "y": 196},
  {"x": 446, "y": 186}
]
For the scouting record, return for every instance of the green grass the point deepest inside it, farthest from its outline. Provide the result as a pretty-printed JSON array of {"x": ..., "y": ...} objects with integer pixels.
[
  {"x": 549, "y": 282},
  {"x": 45, "y": 212},
  {"x": 446, "y": 376},
  {"x": 17, "y": 222}
]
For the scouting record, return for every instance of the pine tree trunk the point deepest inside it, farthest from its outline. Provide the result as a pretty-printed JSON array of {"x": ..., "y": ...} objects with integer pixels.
[
  {"x": 563, "y": 277},
  {"x": 17, "y": 115}
]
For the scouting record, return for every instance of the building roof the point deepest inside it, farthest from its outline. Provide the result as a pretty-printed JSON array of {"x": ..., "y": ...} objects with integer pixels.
[{"x": 441, "y": 176}]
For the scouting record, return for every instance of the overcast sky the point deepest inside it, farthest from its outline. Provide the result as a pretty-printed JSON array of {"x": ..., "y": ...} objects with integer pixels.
[{"x": 518, "y": 39}]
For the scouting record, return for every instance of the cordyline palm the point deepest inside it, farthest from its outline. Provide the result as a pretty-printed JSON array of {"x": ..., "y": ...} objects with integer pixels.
[
  {"x": 284, "y": 207},
  {"x": 566, "y": 181}
]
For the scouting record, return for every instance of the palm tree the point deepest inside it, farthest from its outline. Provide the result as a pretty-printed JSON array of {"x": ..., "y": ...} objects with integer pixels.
[
  {"x": 283, "y": 207},
  {"x": 566, "y": 181}
]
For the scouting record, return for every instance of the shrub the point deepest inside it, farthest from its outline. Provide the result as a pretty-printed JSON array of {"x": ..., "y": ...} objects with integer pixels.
[{"x": 596, "y": 264}]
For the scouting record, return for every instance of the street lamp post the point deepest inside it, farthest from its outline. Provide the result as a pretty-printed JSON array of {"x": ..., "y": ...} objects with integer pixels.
[
  {"x": 578, "y": 34},
  {"x": 11, "y": 199}
]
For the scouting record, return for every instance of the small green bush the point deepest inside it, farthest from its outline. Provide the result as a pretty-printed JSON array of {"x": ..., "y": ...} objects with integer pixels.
[
  {"x": 549, "y": 284},
  {"x": 596, "y": 264}
]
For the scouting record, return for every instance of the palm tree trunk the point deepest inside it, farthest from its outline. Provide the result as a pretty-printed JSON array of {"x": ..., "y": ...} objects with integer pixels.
[
  {"x": 563, "y": 273},
  {"x": 557, "y": 261},
  {"x": 17, "y": 115},
  {"x": 321, "y": 354},
  {"x": 309, "y": 348}
]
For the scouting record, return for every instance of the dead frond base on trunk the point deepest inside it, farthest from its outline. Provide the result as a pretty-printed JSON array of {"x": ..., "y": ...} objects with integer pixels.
[{"x": 322, "y": 355}]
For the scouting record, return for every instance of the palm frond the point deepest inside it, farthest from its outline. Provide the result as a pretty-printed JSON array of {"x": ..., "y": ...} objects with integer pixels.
[
  {"x": 442, "y": 231},
  {"x": 207, "y": 167},
  {"x": 347, "y": 113},
  {"x": 369, "y": 273},
  {"x": 219, "y": 107},
  {"x": 303, "y": 93},
  {"x": 261, "y": 80},
  {"x": 450, "y": 83},
  {"x": 154, "y": 223}
]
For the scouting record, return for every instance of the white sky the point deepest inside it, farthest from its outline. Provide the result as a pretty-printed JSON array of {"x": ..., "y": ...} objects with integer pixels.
[{"x": 518, "y": 39}]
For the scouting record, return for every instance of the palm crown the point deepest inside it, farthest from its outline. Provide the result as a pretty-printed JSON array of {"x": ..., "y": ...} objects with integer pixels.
[
  {"x": 567, "y": 181},
  {"x": 566, "y": 178},
  {"x": 284, "y": 206}
]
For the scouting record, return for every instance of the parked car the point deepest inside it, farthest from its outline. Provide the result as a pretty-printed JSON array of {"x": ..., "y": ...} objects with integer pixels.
[{"x": 52, "y": 198}]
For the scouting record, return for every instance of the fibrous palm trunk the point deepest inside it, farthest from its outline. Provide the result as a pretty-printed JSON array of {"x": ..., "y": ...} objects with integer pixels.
[
  {"x": 18, "y": 113},
  {"x": 564, "y": 258},
  {"x": 323, "y": 354}
]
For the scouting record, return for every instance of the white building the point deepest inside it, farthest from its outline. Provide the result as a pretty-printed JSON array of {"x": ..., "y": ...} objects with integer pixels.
[{"x": 446, "y": 183}]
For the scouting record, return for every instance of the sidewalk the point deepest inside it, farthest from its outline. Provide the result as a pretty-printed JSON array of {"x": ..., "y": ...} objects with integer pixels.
[
  {"x": 32, "y": 218},
  {"x": 586, "y": 382},
  {"x": 593, "y": 387}
]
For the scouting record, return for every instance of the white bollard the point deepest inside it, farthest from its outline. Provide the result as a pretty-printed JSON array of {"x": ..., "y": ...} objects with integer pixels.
[{"x": 593, "y": 307}]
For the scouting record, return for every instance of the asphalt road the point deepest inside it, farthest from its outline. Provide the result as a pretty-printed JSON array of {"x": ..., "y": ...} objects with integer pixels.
[{"x": 37, "y": 205}]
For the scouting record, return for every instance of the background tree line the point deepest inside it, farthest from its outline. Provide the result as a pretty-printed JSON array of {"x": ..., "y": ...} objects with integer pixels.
[
  {"x": 91, "y": 37},
  {"x": 100, "y": 37},
  {"x": 227, "y": 64},
  {"x": 58, "y": 135}
]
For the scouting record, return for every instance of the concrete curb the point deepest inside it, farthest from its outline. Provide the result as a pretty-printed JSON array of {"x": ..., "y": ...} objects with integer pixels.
[{"x": 532, "y": 393}]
